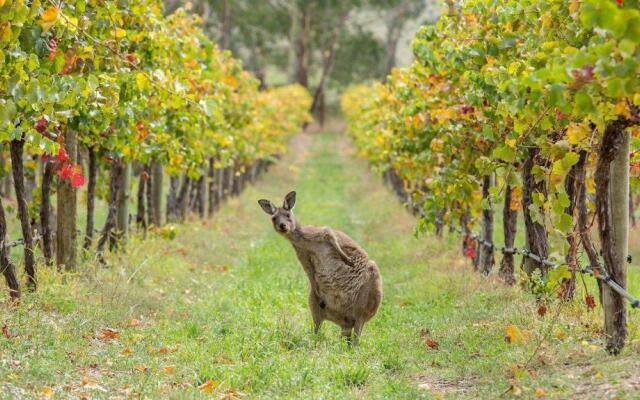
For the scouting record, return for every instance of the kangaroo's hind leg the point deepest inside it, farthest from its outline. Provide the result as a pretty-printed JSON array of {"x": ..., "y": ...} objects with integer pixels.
[{"x": 316, "y": 306}]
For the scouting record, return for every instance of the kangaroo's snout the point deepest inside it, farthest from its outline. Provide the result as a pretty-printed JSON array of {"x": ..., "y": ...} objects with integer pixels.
[{"x": 282, "y": 227}]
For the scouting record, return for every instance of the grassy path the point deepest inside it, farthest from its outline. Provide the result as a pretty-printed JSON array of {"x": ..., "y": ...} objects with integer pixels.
[{"x": 221, "y": 311}]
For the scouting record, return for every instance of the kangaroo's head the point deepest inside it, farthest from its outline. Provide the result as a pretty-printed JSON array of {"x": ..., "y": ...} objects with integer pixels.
[{"x": 282, "y": 217}]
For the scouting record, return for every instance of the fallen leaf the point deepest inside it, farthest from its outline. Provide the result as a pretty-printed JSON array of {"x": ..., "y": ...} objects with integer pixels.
[
  {"x": 141, "y": 368},
  {"x": 168, "y": 369},
  {"x": 5, "y": 331},
  {"x": 540, "y": 393},
  {"x": 108, "y": 334},
  {"x": 515, "y": 390},
  {"x": 133, "y": 323},
  {"x": 47, "y": 392},
  {"x": 590, "y": 301},
  {"x": 432, "y": 344},
  {"x": 209, "y": 386},
  {"x": 515, "y": 335},
  {"x": 127, "y": 351},
  {"x": 542, "y": 310}
]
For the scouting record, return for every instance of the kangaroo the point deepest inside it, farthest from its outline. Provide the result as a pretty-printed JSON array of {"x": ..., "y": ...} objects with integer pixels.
[{"x": 345, "y": 285}]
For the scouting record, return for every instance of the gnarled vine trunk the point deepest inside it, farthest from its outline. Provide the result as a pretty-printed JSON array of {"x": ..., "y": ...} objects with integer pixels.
[
  {"x": 91, "y": 197},
  {"x": 6, "y": 265},
  {"x": 509, "y": 226},
  {"x": 67, "y": 212},
  {"x": 108, "y": 231},
  {"x": 486, "y": 259},
  {"x": 536, "y": 234},
  {"x": 17, "y": 148},
  {"x": 45, "y": 213}
]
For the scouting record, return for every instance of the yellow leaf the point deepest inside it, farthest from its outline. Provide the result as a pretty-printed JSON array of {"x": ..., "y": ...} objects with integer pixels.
[
  {"x": 574, "y": 6},
  {"x": 141, "y": 81},
  {"x": 577, "y": 133},
  {"x": 623, "y": 109},
  {"x": 513, "y": 334},
  {"x": 127, "y": 351},
  {"x": 134, "y": 322},
  {"x": 511, "y": 143},
  {"x": 46, "y": 392},
  {"x": 209, "y": 386},
  {"x": 540, "y": 393},
  {"x": 119, "y": 33},
  {"x": 50, "y": 15},
  {"x": 2, "y": 3}
]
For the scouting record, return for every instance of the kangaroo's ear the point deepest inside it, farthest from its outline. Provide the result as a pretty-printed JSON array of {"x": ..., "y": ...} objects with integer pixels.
[
  {"x": 289, "y": 201},
  {"x": 267, "y": 206}
]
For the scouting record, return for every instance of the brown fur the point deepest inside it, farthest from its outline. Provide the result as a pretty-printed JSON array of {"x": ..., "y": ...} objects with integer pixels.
[{"x": 345, "y": 285}]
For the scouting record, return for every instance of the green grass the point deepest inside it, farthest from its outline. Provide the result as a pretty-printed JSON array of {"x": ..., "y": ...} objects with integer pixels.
[{"x": 226, "y": 302}]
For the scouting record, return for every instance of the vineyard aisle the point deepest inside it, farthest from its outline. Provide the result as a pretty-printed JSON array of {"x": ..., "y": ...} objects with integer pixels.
[{"x": 221, "y": 310}]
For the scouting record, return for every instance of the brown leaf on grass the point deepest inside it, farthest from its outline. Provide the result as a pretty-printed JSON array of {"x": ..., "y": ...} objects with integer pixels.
[
  {"x": 230, "y": 395},
  {"x": 432, "y": 344},
  {"x": 141, "y": 368},
  {"x": 133, "y": 323},
  {"x": 209, "y": 386},
  {"x": 533, "y": 373},
  {"x": 5, "y": 331},
  {"x": 542, "y": 310},
  {"x": 108, "y": 334},
  {"x": 127, "y": 351},
  {"x": 540, "y": 392},
  {"x": 590, "y": 301}
]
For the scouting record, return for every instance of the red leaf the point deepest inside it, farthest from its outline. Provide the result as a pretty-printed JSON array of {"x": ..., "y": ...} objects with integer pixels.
[
  {"x": 62, "y": 155},
  {"x": 77, "y": 180},
  {"x": 432, "y": 344},
  {"x": 66, "y": 172},
  {"x": 590, "y": 301},
  {"x": 542, "y": 310},
  {"x": 5, "y": 331},
  {"x": 619, "y": 2}
]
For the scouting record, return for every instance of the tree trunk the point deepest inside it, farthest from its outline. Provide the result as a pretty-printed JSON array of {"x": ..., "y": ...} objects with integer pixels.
[
  {"x": 570, "y": 186},
  {"x": 183, "y": 198},
  {"x": 612, "y": 206},
  {"x": 156, "y": 179},
  {"x": 149, "y": 195},
  {"x": 583, "y": 219},
  {"x": 228, "y": 181},
  {"x": 301, "y": 45},
  {"x": 67, "y": 212},
  {"x": 213, "y": 193},
  {"x": 220, "y": 177},
  {"x": 91, "y": 196},
  {"x": 202, "y": 196},
  {"x": 536, "y": 234},
  {"x": 45, "y": 213},
  {"x": 172, "y": 199},
  {"x": 108, "y": 234},
  {"x": 124, "y": 195},
  {"x": 225, "y": 23},
  {"x": 6, "y": 265},
  {"x": 17, "y": 147},
  {"x": 486, "y": 255},
  {"x": 141, "y": 212},
  {"x": 509, "y": 226}
]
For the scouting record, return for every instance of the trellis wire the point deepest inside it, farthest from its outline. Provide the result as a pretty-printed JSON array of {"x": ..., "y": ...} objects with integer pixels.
[{"x": 635, "y": 303}]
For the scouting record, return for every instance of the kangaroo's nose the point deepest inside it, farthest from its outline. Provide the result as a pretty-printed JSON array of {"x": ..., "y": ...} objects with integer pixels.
[{"x": 282, "y": 226}]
